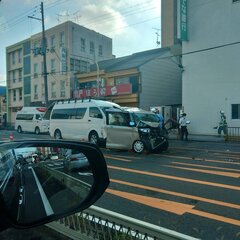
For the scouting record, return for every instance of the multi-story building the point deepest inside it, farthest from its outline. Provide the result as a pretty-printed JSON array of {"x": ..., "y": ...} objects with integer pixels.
[
  {"x": 209, "y": 34},
  {"x": 71, "y": 48},
  {"x": 144, "y": 79}
]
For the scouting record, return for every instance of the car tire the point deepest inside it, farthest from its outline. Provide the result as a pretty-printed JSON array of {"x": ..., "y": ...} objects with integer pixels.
[
  {"x": 165, "y": 146},
  {"x": 138, "y": 146},
  {"x": 19, "y": 129},
  {"x": 93, "y": 137},
  {"x": 162, "y": 148},
  {"x": 37, "y": 130},
  {"x": 57, "y": 134}
]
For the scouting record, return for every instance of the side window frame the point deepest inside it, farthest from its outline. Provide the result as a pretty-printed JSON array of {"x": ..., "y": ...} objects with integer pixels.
[{"x": 99, "y": 115}]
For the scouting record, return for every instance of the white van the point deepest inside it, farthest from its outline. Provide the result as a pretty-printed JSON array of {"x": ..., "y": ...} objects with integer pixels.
[
  {"x": 30, "y": 119},
  {"x": 82, "y": 120}
]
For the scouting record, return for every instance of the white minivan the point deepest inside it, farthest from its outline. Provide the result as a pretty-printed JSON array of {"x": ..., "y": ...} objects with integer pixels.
[
  {"x": 82, "y": 120},
  {"x": 31, "y": 119}
]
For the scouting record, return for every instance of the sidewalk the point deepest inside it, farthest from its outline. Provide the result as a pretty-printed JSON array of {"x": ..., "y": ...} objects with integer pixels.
[{"x": 199, "y": 138}]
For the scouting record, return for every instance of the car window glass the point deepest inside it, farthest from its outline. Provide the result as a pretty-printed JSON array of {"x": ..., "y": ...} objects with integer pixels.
[
  {"x": 118, "y": 119},
  {"x": 94, "y": 112}
]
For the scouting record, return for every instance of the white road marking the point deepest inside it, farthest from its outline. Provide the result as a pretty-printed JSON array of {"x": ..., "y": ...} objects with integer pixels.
[{"x": 46, "y": 204}]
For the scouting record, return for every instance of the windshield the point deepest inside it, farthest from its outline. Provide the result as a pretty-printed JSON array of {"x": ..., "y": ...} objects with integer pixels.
[{"x": 146, "y": 117}]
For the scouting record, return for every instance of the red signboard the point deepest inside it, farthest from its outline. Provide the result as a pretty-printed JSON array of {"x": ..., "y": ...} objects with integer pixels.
[{"x": 103, "y": 91}]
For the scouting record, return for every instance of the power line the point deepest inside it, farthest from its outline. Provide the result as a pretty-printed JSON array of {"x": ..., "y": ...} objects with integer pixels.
[{"x": 126, "y": 12}]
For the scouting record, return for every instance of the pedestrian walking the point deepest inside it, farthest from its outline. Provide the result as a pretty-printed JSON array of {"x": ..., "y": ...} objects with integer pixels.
[
  {"x": 183, "y": 127},
  {"x": 222, "y": 127}
]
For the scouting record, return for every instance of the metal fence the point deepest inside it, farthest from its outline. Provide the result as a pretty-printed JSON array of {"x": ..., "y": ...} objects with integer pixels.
[
  {"x": 233, "y": 134},
  {"x": 102, "y": 224}
]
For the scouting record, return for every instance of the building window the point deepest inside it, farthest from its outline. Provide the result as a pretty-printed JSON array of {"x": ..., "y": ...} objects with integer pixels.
[
  {"x": 62, "y": 88},
  {"x": 36, "y": 48},
  {"x": 19, "y": 55},
  {"x": 20, "y": 94},
  {"x": 20, "y": 75},
  {"x": 92, "y": 47},
  {"x": 13, "y": 58},
  {"x": 13, "y": 76},
  {"x": 35, "y": 70},
  {"x": 83, "y": 66},
  {"x": 43, "y": 90},
  {"x": 53, "y": 89},
  {"x": 53, "y": 65},
  {"x": 83, "y": 45},
  {"x": 53, "y": 41},
  {"x": 14, "y": 95},
  {"x": 235, "y": 111},
  {"x": 62, "y": 39},
  {"x": 35, "y": 91},
  {"x": 100, "y": 50},
  {"x": 42, "y": 67}
]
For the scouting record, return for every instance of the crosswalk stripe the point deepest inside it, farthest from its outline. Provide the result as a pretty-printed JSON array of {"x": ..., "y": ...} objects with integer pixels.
[
  {"x": 176, "y": 178},
  {"x": 170, "y": 206},
  {"x": 206, "y": 166},
  {"x": 225, "y": 174},
  {"x": 119, "y": 159},
  {"x": 200, "y": 159},
  {"x": 192, "y": 197}
]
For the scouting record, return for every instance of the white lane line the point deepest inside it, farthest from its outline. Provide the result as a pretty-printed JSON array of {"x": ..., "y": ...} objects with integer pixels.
[{"x": 46, "y": 204}]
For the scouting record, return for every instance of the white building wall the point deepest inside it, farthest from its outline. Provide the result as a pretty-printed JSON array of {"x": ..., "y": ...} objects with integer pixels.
[{"x": 211, "y": 78}]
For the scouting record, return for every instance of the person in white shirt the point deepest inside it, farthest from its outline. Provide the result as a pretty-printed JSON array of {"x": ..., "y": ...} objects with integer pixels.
[{"x": 183, "y": 127}]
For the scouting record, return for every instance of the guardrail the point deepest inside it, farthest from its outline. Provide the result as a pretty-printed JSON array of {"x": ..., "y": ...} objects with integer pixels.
[
  {"x": 233, "y": 134},
  {"x": 102, "y": 224}
]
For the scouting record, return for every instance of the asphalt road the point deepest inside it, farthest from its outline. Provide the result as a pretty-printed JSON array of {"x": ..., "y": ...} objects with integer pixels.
[{"x": 193, "y": 188}]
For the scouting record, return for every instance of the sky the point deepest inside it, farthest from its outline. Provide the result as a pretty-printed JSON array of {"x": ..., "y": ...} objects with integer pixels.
[{"x": 133, "y": 25}]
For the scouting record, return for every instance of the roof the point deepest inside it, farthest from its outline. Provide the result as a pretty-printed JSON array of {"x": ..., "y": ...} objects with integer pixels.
[{"x": 131, "y": 61}]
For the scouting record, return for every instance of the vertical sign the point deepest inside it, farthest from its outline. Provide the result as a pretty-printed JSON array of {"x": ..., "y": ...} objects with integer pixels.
[{"x": 183, "y": 20}]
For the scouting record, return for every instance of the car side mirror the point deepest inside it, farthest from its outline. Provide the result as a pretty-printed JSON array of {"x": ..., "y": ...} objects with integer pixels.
[{"x": 36, "y": 192}]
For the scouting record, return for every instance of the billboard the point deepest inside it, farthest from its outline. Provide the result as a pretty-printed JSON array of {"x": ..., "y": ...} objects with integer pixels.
[
  {"x": 103, "y": 91},
  {"x": 182, "y": 14}
]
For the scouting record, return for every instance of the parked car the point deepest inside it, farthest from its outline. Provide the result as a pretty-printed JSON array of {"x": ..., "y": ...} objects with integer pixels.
[{"x": 75, "y": 160}]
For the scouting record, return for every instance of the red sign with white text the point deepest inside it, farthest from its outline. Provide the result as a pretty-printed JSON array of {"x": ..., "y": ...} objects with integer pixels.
[{"x": 103, "y": 91}]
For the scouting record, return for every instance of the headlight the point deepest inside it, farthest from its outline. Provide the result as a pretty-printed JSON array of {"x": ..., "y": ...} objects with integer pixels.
[{"x": 145, "y": 130}]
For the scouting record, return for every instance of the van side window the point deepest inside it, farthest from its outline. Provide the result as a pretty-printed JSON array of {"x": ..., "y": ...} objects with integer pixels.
[
  {"x": 38, "y": 117},
  {"x": 59, "y": 114},
  {"x": 80, "y": 113},
  {"x": 94, "y": 112},
  {"x": 24, "y": 117}
]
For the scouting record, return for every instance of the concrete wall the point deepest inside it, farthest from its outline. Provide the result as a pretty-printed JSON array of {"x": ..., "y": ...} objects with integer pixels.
[
  {"x": 211, "y": 78},
  {"x": 160, "y": 84}
]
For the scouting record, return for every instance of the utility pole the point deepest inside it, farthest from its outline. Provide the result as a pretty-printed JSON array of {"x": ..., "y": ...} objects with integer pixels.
[
  {"x": 44, "y": 48},
  {"x": 43, "y": 53}
]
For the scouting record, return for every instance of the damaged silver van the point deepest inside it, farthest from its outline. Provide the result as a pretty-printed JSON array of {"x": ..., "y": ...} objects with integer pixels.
[{"x": 136, "y": 129}]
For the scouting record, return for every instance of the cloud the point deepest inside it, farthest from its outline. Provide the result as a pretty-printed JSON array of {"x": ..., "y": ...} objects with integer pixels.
[
  {"x": 101, "y": 18},
  {"x": 3, "y": 79}
]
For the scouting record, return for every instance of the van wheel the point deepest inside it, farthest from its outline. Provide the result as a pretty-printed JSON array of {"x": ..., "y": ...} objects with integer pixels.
[
  {"x": 37, "y": 130},
  {"x": 138, "y": 146},
  {"x": 19, "y": 129},
  {"x": 57, "y": 134},
  {"x": 93, "y": 137}
]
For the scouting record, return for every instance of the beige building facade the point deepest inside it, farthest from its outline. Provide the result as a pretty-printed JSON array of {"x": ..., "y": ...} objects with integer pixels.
[{"x": 71, "y": 48}]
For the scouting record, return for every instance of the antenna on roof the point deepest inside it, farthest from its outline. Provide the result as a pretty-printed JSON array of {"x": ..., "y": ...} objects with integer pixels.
[{"x": 158, "y": 36}]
